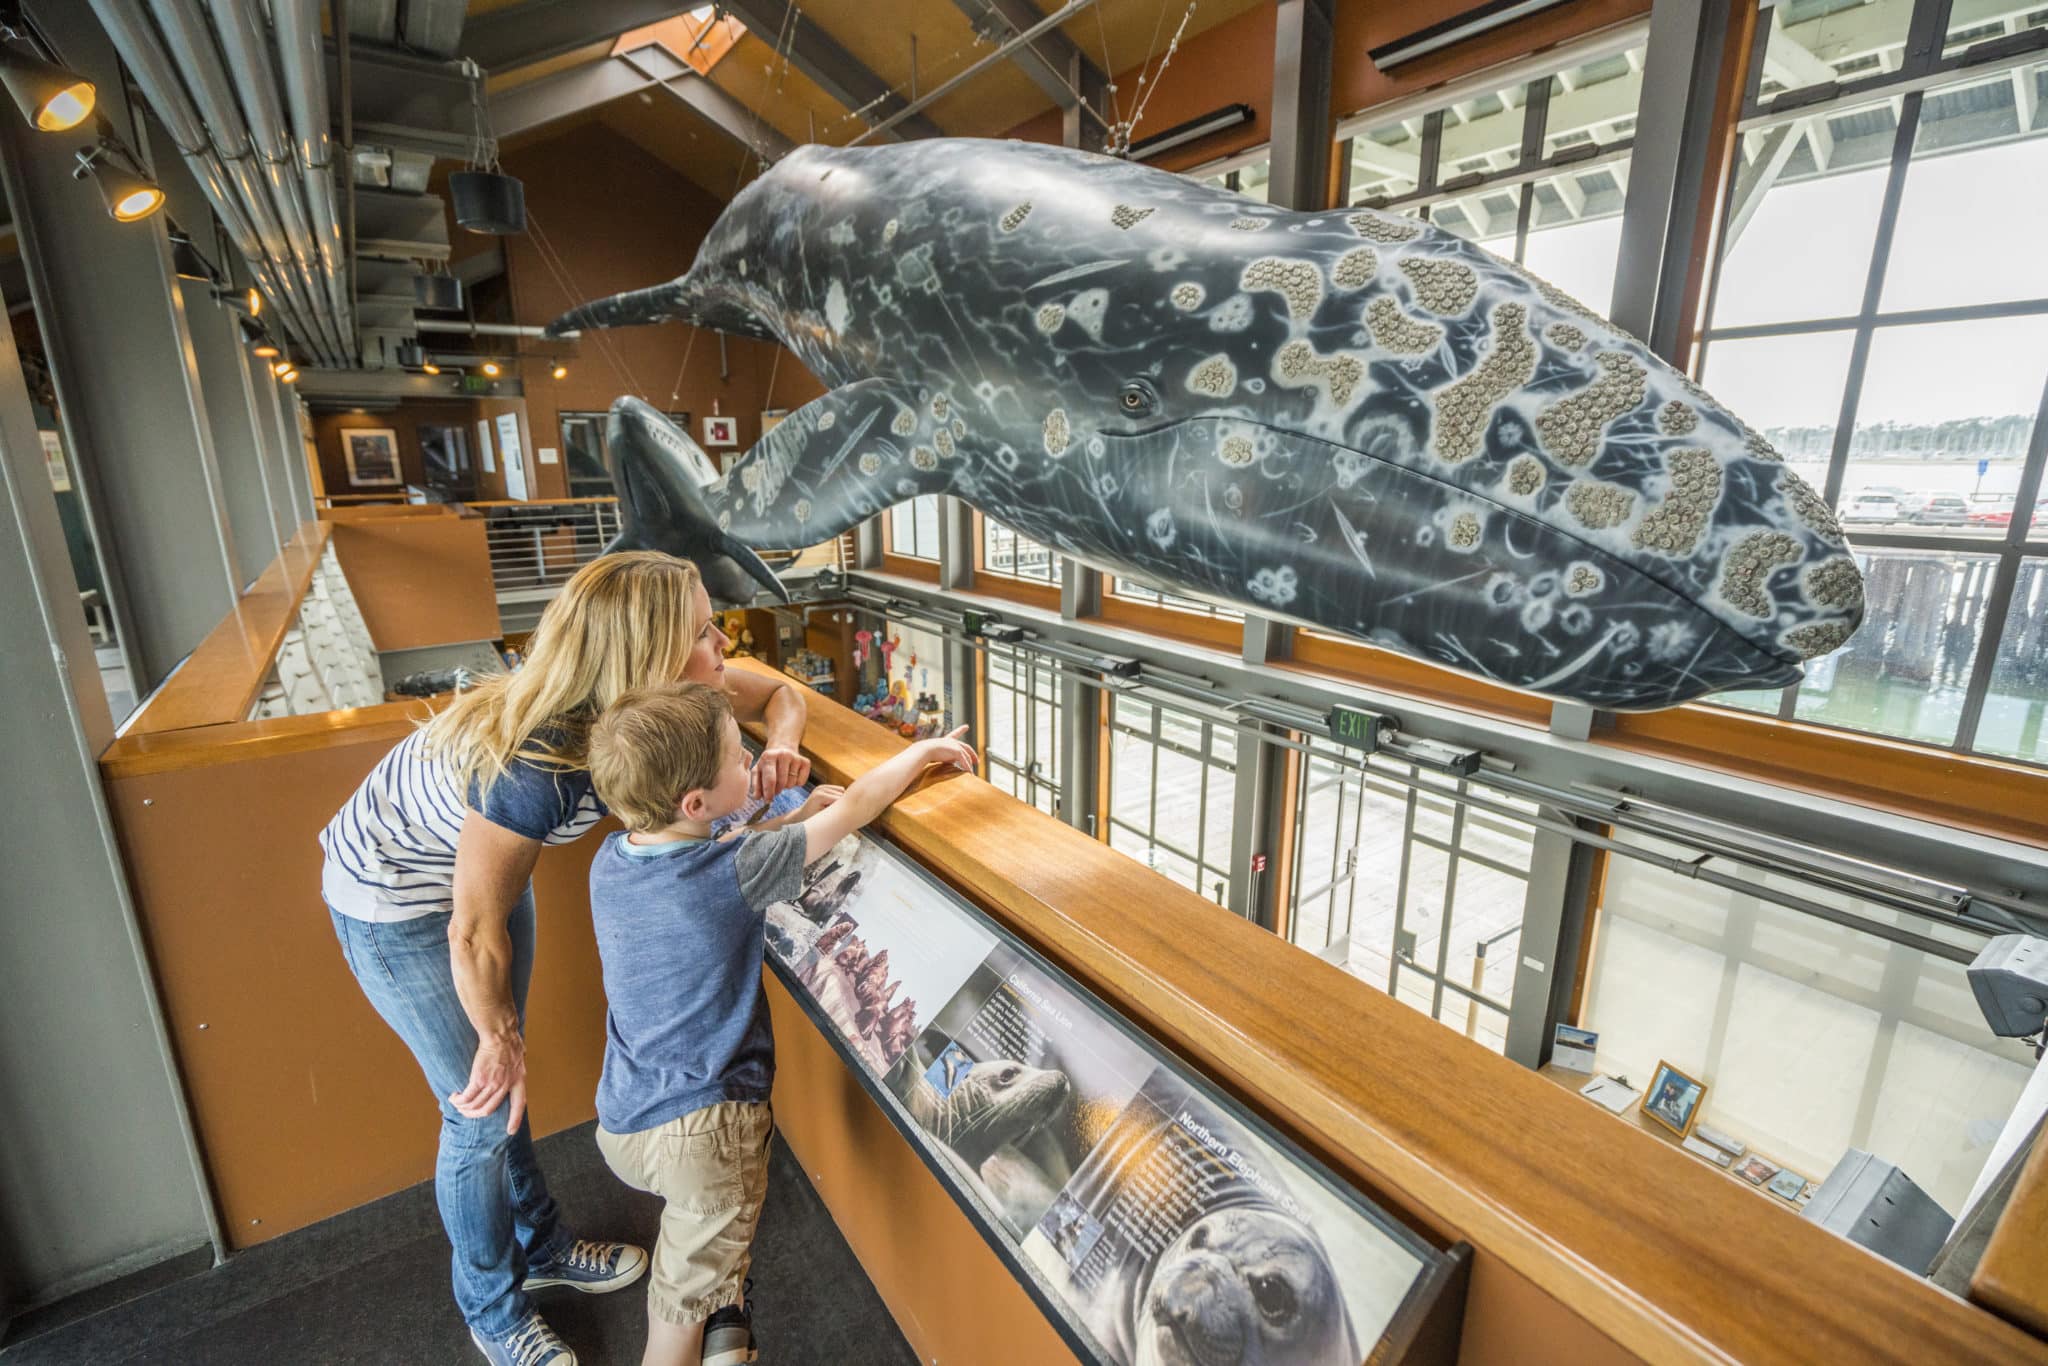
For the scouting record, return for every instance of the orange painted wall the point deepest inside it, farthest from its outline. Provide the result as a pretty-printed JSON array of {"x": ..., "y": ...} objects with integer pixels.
[{"x": 617, "y": 219}]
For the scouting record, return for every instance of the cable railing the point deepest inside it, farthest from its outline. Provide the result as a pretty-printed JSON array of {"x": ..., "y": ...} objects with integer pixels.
[{"x": 535, "y": 547}]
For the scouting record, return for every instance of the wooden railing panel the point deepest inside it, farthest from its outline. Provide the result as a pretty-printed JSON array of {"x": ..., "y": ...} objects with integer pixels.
[
  {"x": 1654, "y": 1252},
  {"x": 219, "y": 680},
  {"x": 2012, "y": 1276}
]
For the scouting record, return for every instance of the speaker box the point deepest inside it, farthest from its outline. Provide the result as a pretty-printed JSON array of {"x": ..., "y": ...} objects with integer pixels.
[{"x": 487, "y": 201}]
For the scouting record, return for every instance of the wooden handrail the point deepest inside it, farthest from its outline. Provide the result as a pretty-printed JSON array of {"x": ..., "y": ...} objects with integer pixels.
[
  {"x": 219, "y": 681},
  {"x": 1655, "y": 1251},
  {"x": 2012, "y": 1276},
  {"x": 534, "y": 502}
]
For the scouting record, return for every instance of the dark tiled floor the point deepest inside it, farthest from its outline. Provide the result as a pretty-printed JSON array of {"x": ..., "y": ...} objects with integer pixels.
[{"x": 371, "y": 1286}]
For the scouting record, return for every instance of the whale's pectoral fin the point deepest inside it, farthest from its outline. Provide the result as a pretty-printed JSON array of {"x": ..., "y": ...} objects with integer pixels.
[
  {"x": 837, "y": 461},
  {"x": 662, "y": 477}
]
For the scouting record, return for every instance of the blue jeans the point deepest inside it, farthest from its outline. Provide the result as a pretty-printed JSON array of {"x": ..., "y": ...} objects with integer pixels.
[{"x": 494, "y": 1202}]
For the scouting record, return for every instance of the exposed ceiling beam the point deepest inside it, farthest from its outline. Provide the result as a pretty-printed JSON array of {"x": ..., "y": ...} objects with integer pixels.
[
  {"x": 564, "y": 95},
  {"x": 650, "y": 68},
  {"x": 1046, "y": 59},
  {"x": 520, "y": 35},
  {"x": 752, "y": 132},
  {"x": 829, "y": 66}
]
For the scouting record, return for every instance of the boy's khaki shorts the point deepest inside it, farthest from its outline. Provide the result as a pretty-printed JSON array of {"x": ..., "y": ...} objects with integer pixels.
[{"x": 711, "y": 1166}]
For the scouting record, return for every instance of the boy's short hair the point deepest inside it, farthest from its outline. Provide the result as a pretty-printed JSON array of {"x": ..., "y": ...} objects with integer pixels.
[{"x": 654, "y": 745}]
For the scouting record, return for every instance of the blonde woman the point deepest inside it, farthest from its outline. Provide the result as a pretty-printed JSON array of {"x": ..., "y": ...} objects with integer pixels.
[{"x": 428, "y": 881}]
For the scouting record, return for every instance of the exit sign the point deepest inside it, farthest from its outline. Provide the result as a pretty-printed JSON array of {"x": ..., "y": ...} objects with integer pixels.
[{"x": 1358, "y": 729}]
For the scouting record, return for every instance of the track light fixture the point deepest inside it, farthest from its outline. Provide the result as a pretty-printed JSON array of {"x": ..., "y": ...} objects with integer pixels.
[
  {"x": 430, "y": 368},
  {"x": 187, "y": 263},
  {"x": 290, "y": 376},
  {"x": 561, "y": 372},
  {"x": 130, "y": 195},
  {"x": 49, "y": 97},
  {"x": 280, "y": 368},
  {"x": 492, "y": 368},
  {"x": 257, "y": 338},
  {"x": 253, "y": 300}
]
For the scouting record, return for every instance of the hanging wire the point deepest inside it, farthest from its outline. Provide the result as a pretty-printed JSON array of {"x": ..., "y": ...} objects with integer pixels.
[{"x": 559, "y": 269}]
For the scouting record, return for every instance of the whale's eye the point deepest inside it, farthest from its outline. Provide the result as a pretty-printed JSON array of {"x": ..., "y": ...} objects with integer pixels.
[
  {"x": 1274, "y": 1296},
  {"x": 1137, "y": 398}
]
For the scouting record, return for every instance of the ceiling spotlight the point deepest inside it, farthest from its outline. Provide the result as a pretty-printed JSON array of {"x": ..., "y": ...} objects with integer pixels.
[
  {"x": 279, "y": 368},
  {"x": 255, "y": 301},
  {"x": 290, "y": 376},
  {"x": 561, "y": 372},
  {"x": 430, "y": 367},
  {"x": 257, "y": 338},
  {"x": 492, "y": 368},
  {"x": 50, "y": 98},
  {"x": 131, "y": 196}
]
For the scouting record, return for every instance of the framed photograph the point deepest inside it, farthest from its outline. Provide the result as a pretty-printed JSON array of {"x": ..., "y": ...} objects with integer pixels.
[
  {"x": 1673, "y": 1099},
  {"x": 1572, "y": 1049},
  {"x": 1755, "y": 1170},
  {"x": 1787, "y": 1185},
  {"x": 513, "y": 456},
  {"x": 721, "y": 431},
  {"x": 372, "y": 455}
]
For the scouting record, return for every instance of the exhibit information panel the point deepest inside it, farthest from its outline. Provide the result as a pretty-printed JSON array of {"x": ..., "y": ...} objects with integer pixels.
[{"x": 1154, "y": 1219}]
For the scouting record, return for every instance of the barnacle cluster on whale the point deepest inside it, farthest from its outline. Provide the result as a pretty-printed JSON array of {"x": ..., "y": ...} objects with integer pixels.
[{"x": 1347, "y": 419}]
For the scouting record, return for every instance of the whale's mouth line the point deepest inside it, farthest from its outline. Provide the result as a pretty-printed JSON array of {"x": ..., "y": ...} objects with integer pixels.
[{"x": 1608, "y": 559}]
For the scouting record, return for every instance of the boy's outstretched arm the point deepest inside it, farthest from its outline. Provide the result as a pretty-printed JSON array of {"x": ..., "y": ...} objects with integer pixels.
[{"x": 867, "y": 795}]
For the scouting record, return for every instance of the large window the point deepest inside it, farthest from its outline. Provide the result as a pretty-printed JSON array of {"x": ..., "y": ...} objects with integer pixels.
[
  {"x": 1137, "y": 590},
  {"x": 1903, "y": 370},
  {"x": 1021, "y": 726},
  {"x": 1172, "y": 793},
  {"x": 1410, "y": 887},
  {"x": 1534, "y": 170},
  {"x": 914, "y": 528},
  {"x": 1007, "y": 555},
  {"x": 1812, "y": 1037}
]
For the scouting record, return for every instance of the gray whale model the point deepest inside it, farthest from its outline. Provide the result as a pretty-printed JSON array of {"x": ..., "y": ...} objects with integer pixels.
[{"x": 1346, "y": 419}]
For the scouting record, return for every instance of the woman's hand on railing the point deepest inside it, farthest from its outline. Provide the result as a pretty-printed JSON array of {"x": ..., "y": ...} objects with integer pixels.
[{"x": 779, "y": 767}]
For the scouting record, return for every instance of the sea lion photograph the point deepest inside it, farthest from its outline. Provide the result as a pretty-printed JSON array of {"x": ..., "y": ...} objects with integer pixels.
[
  {"x": 1246, "y": 1286},
  {"x": 1011, "y": 1014},
  {"x": 1207, "y": 1250}
]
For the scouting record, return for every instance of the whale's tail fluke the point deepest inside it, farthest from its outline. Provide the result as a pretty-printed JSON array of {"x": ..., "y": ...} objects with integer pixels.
[
  {"x": 661, "y": 475},
  {"x": 680, "y": 300}
]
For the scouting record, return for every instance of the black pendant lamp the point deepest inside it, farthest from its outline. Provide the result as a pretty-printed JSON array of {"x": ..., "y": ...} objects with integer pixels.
[{"x": 486, "y": 199}]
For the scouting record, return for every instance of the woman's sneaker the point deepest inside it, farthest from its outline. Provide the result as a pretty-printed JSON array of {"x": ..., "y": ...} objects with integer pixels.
[
  {"x": 593, "y": 1268},
  {"x": 532, "y": 1343},
  {"x": 729, "y": 1333}
]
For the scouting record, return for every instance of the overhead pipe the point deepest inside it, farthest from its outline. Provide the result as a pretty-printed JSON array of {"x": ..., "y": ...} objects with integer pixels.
[
  {"x": 253, "y": 68},
  {"x": 190, "y": 40},
  {"x": 303, "y": 65},
  {"x": 129, "y": 29}
]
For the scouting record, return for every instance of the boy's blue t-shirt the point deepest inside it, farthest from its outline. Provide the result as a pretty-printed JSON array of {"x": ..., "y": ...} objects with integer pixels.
[{"x": 679, "y": 929}]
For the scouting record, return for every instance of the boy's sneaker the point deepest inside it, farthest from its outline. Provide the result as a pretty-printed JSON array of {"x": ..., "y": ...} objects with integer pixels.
[
  {"x": 532, "y": 1343},
  {"x": 729, "y": 1333},
  {"x": 593, "y": 1268}
]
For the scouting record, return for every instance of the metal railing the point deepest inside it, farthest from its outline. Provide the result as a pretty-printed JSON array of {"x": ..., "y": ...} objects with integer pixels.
[{"x": 535, "y": 547}]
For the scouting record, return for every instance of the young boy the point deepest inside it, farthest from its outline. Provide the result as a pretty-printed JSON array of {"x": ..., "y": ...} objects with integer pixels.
[{"x": 682, "y": 1105}]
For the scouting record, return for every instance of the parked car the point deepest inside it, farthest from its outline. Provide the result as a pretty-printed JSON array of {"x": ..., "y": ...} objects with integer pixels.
[
  {"x": 1991, "y": 510},
  {"x": 1935, "y": 509},
  {"x": 1867, "y": 506}
]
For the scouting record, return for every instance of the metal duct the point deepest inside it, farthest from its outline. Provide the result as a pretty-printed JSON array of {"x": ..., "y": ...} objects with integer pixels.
[
  {"x": 190, "y": 40},
  {"x": 304, "y": 69},
  {"x": 253, "y": 67},
  {"x": 132, "y": 36}
]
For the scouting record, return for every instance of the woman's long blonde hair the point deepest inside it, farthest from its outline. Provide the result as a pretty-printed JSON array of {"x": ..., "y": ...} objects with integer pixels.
[{"x": 624, "y": 621}]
